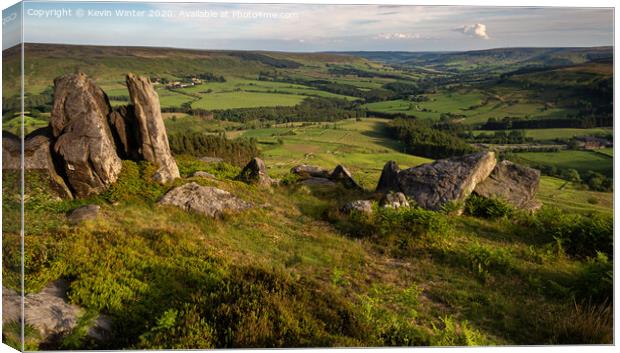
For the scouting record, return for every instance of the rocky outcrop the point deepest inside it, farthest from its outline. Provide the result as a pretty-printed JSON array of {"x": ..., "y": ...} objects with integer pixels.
[
  {"x": 305, "y": 171},
  {"x": 153, "y": 140},
  {"x": 208, "y": 201},
  {"x": 394, "y": 200},
  {"x": 49, "y": 313},
  {"x": 83, "y": 144},
  {"x": 255, "y": 172},
  {"x": 83, "y": 213},
  {"x": 344, "y": 176},
  {"x": 514, "y": 183},
  {"x": 124, "y": 128},
  {"x": 360, "y": 206},
  {"x": 447, "y": 180},
  {"x": 389, "y": 178},
  {"x": 37, "y": 157}
]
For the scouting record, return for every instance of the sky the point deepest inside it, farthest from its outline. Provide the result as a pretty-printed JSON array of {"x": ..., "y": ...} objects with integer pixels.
[{"x": 308, "y": 28}]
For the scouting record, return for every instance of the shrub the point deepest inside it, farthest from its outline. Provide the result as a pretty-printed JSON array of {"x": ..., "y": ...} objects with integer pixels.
[
  {"x": 453, "y": 334},
  {"x": 479, "y": 206},
  {"x": 484, "y": 260},
  {"x": 585, "y": 324},
  {"x": 579, "y": 235},
  {"x": 595, "y": 282}
]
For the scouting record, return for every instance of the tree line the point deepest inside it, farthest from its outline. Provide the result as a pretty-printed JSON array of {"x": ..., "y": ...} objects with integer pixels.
[{"x": 236, "y": 152}]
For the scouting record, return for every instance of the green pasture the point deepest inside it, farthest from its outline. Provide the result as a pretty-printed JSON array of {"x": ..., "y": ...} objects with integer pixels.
[
  {"x": 552, "y": 134},
  {"x": 582, "y": 161}
]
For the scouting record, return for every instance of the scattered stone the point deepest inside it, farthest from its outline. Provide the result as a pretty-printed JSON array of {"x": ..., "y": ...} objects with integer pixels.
[
  {"x": 211, "y": 159},
  {"x": 49, "y": 313},
  {"x": 305, "y": 171},
  {"x": 153, "y": 143},
  {"x": 394, "y": 200},
  {"x": 389, "y": 178},
  {"x": 318, "y": 182},
  {"x": 201, "y": 174},
  {"x": 433, "y": 185},
  {"x": 514, "y": 183},
  {"x": 209, "y": 201},
  {"x": 361, "y": 206},
  {"x": 255, "y": 172},
  {"x": 83, "y": 213},
  {"x": 343, "y": 175},
  {"x": 84, "y": 143}
]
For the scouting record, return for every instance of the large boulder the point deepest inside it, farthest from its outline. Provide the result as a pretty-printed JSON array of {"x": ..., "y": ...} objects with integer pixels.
[
  {"x": 37, "y": 157},
  {"x": 153, "y": 141},
  {"x": 514, "y": 183},
  {"x": 305, "y": 171},
  {"x": 255, "y": 172},
  {"x": 208, "y": 201},
  {"x": 50, "y": 314},
  {"x": 389, "y": 178},
  {"x": 433, "y": 185},
  {"x": 84, "y": 143},
  {"x": 344, "y": 176}
]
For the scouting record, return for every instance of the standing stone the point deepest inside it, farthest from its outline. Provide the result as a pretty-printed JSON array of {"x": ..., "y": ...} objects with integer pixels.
[
  {"x": 153, "y": 140},
  {"x": 255, "y": 172},
  {"x": 344, "y": 176},
  {"x": 84, "y": 144},
  {"x": 433, "y": 185},
  {"x": 389, "y": 178},
  {"x": 514, "y": 183}
]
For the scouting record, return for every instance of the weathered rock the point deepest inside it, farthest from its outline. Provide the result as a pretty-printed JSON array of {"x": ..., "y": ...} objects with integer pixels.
[
  {"x": 153, "y": 140},
  {"x": 389, "y": 178},
  {"x": 83, "y": 213},
  {"x": 208, "y": 159},
  {"x": 447, "y": 180},
  {"x": 361, "y": 206},
  {"x": 37, "y": 157},
  {"x": 318, "y": 182},
  {"x": 514, "y": 183},
  {"x": 49, "y": 312},
  {"x": 305, "y": 171},
  {"x": 343, "y": 175},
  {"x": 394, "y": 200},
  {"x": 201, "y": 174},
  {"x": 209, "y": 201},
  {"x": 255, "y": 172},
  {"x": 84, "y": 145},
  {"x": 124, "y": 127}
]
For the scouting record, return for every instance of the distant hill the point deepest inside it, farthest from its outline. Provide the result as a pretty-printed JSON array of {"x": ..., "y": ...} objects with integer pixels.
[
  {"x": 491, "y": 60},
  {"x": 44, "y": 62}
]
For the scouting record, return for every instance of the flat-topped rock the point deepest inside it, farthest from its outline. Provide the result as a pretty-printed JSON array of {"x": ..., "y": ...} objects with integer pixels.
[
  {"x": 360, "y": 206},
  {"x": 305, "y": 171},
  {"x": 83, "y": 213},
  {"x": 205, "y": 200},
  {"x": 447, "y": 180},
  {"x": 514, "y": 183}
]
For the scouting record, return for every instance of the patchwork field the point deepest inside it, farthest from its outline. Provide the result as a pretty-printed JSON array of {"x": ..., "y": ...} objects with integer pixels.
[{"x": 582, "y": 161}]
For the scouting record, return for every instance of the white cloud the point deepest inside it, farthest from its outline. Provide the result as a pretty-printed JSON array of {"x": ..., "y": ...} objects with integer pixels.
[
  {"x": 478, "y": 30},
  {"x": 397, "y": 35}
]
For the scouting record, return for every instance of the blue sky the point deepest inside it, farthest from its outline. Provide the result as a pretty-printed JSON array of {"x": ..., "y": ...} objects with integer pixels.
[{"x": 297, "y": 27}]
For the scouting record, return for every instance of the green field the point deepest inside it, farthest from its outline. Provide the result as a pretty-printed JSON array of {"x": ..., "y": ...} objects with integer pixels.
[
  {"x": 552, "y": 134},
  {"x": 568, "y": 196},
  {"x": 360, "y": 146},
  {"x": 582, "y": 161}
]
